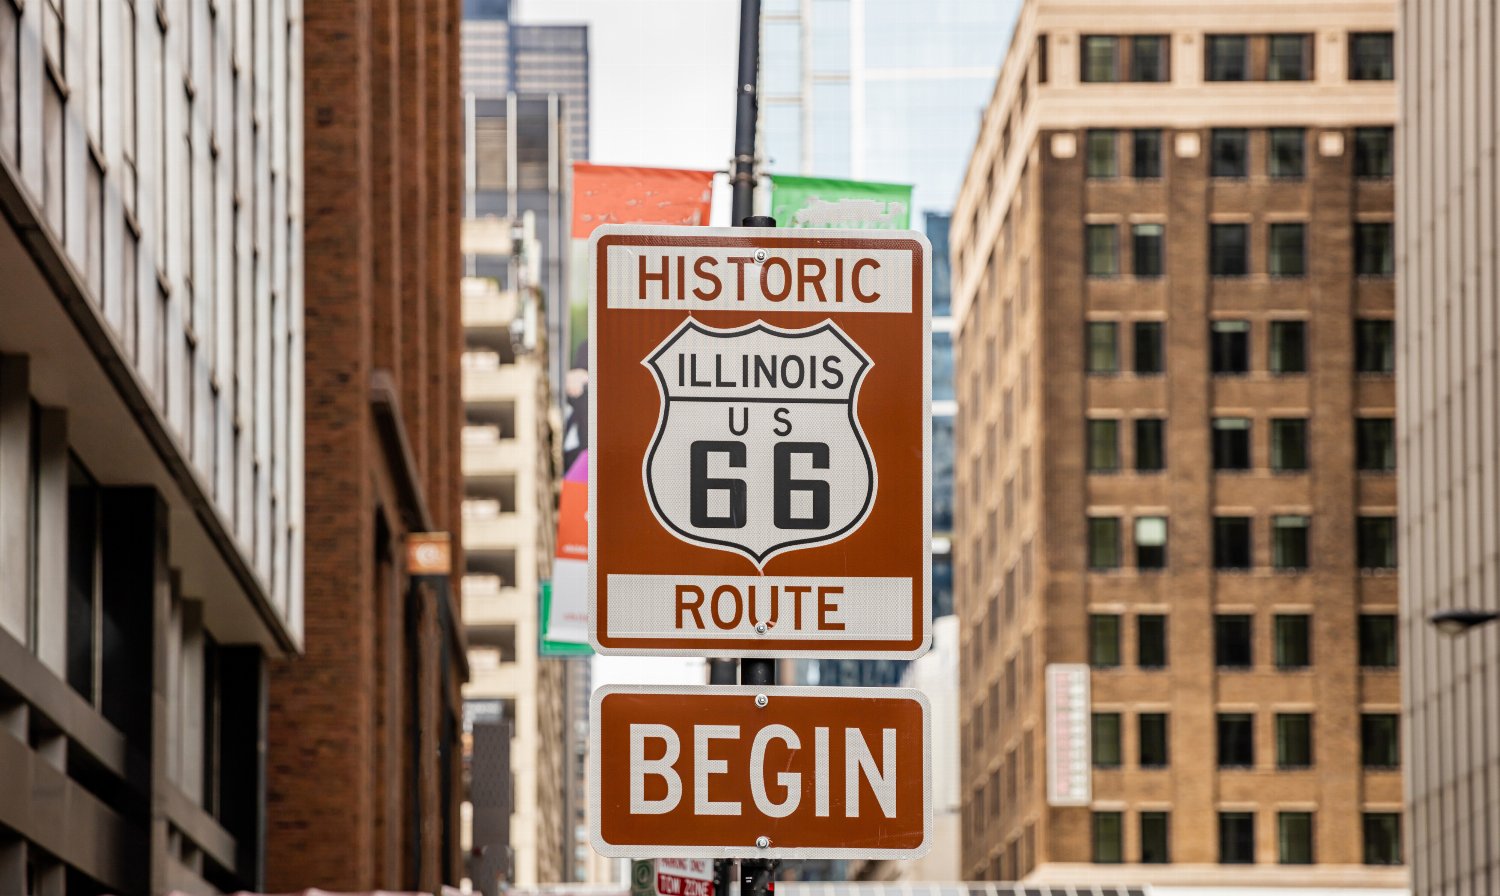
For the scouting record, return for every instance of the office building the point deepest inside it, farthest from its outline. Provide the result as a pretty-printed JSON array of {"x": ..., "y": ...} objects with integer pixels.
[
  {"x": 1176, "y": 582},
  {"x": 502, "y": 56},
  {"x": 150, "y": 446},
  {"x": 362, "y": 755},
  {"x": 1447, "y": 374},
  {"x": 510, "y": 465}
]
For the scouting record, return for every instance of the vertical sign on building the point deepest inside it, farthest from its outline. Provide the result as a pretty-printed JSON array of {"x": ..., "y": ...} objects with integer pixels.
[{"x": 1069, "y": 760}]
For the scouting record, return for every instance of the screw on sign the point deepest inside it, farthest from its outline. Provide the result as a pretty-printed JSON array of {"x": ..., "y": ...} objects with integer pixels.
[{"x": 759, "y": 442}]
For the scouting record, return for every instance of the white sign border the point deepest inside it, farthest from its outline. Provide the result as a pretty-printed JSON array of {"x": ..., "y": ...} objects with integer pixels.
[
  {"x": 796, "y": 650},
  {"x": 749, "y": 850}
]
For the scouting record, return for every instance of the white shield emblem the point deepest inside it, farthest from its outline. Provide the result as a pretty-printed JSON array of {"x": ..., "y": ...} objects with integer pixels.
[{"x": 758, "y": 449}]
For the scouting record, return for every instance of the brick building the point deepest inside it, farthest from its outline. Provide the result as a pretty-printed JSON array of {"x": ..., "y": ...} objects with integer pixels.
[
  {"x": 1175, "y": 463},
  {"x": 363, "y": 766}
]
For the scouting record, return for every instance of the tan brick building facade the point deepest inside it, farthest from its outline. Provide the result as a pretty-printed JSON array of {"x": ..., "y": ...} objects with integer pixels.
[
  {"x": 363, "y": 766},
  {"x": 1175, "y": 459}
]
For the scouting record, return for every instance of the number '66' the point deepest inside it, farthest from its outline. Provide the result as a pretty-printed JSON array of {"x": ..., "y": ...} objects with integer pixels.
[{"x": 783, "y": 487}]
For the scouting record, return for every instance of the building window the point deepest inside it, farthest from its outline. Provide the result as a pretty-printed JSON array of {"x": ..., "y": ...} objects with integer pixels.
[
  {"x": 1289, "y": 57},
  {"x": 1231, "y": 542},
  {"x": 1287, "y": 155},
  {"x": 1101, "y": 156},
  {"x": 1146, "y": 244},
  {"x": 1229, "y": 250},
  {"x": 1104, "y": 640},
  {"x": 1372, "y": 56},
  {"x": 1229, "y": 152},
  {"x": 1145, "y": 154},
  {"x": 1294, "y": 838},
  {"x": 1236, "y": 740},
  {"x": 1288, "y": 347},
  {"x": 1231, "y": 443},
  {"x": 1375, "y": 346},
  {"x": 1373, "y": 254},
  {"x": 1375, "y": 444},
  {"x": 1382, "y": 838},
  {"x": 1148, "y": 58},
  {"x": 1108, "y": 838},
  {"x": 1289, "y": 541},
  {"x": 1150, "y": 358},
  {"x": 1106, "y": 740},
  {"x": 1151, "y": 542},
  {"x": 1376, "y": 542},
  {"x": 1153, "y": 734},
  {"x": 1041, "y": 59},
  {"x": 1288, "y": 445},
  {"x": 1104, "y": 446},
  {"x": 1150, "y": 445},
  {"x": 1236, "y": 838},
  {"x": 1151, "y": 641},
  {"x": 1228, "y": 57},
  {"x": 1104, "y": 353},
  {"x": 1155, "y": 848},
  {"x": 1293, "y": 740},
  {"x": 1101, "y": 58},
  {"x": 1229, "y": 346},
  {"x": 1103, "y": 250},
  {"x": 1104, "y": 542},
  {"x": 1374, "y": 156},
  {"x": 1293, "y": 640},
  {"x": 1288, "y": 250},
  {"x": 1232, "y": 641},
  {"x": 84, "y": 540},
  {"x": 1380, "y": 740},
  {"x": 1377, "y": 641}
]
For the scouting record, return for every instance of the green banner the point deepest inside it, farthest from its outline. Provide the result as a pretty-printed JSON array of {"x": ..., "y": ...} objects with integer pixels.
[
  {"x": 549, "y": 646},
  {"x": 823, "y": 202}
]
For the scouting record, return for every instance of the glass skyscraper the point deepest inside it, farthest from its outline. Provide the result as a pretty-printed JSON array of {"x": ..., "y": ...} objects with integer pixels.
[{"x": 888, "y": 90}]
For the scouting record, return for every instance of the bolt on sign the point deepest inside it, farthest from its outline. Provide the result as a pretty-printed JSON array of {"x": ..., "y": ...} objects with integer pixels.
[
  {"x": 759, "y": 772},
  {"x": 759, "y": 442}
]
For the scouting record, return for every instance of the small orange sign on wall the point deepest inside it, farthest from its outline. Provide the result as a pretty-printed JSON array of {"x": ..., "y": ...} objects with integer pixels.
[{"x": 429, "y": 554}]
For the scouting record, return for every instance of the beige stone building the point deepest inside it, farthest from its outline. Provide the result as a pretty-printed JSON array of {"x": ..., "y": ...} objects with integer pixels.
[
  {"x": 509, "y": 463},
  {"x": 1173, "y": 287},
  {"x": 1446, "y": 297}
]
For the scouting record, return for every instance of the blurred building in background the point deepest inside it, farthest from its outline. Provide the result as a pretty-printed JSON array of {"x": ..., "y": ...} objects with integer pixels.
[
  {"x": 362, "y": 754},
  {"x": 502, "y": 56},
  {"x": 1446, "y": 352},
  {"x": 890, "y": 91},
  {"x": 151, "y": 408},
  {"x": 1173, "y": 293}
]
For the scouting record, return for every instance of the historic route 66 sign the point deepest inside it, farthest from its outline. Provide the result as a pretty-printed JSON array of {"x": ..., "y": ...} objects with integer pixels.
[
  {"x": 760, "y": 418},
  {"x": 758, "y": 454}
]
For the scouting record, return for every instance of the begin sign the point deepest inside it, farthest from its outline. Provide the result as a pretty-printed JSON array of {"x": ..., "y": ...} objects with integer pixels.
[
  {"x": 759, "y": 434},
  {"x": 759, "y": 772}
]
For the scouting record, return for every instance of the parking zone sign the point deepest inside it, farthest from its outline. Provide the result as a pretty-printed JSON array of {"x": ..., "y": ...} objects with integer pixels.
[{"x": 759, "y": 432}]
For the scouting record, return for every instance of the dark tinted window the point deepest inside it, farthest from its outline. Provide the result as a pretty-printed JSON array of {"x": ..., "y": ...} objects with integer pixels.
[
  {"x": 1148, "y": 57},
  {"x": 1231, "y": 443},
  {"x": 1372, "y": 56},
  {"x": 1228, "y": 57},
  {"x": 1229, "y": 346},
  {"x": 1150, "y": 444},
  {"x": 1147, "y": 241},
  {"x": 1286, "y": 155},
  {"x": 1149, "y": 354},
  {"x": 1153, "y": 735},
  {"x": 1294, "y": 838},
  {"x": 1288, "y": 444},
  {"x": 1145, "y": 153},
  {"x": 1377, "y": 641},
  {"x": 1380, "y": 740},
  {"x": 1229, "y": 250},
  {"x": 1374, "y": 256},
  {"x": 1288, "y": 250},
  {"x": 1155, "y": 838},
  {"x": 1289, "y": 57},
  {"x": 1229, "y": 152},
  {"x": 1375, "y": 542},
  {"x": 1375, "y": 444},
  {"x": 1375, "y": 346},
  {"x": 1293, "y": 640},
  {"x": 1288, "y": 347},
  {"x": 1232, "y": 542},
  {"x": 1232, "y": 641},
  {"x": 1382, "y": 838},
  {"x": 1294, "y": 740},
  {"x": 1151, "y": 641},
  {"x": 1374, "y": 155},
  {"x": 1236, "y": 740},
  {"x": 1101, "y": 58},
  {"x": 1104, "y": 542},
  {"x": 1236, "y": 838},
  {"x": 1104, "y": 640}
]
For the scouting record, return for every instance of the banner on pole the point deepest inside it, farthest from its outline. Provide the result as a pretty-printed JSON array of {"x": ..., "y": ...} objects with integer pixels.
[{"x": 818, "y": 202}]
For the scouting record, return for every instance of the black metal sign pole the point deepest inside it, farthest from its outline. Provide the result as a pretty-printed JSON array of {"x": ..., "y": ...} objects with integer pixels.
[{"x": 756, "y": 875}]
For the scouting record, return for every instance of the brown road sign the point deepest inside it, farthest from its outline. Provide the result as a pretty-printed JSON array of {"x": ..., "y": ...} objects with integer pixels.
[
  {"x": 759, "y": 442},
  {"x": 759, "y": 772}
]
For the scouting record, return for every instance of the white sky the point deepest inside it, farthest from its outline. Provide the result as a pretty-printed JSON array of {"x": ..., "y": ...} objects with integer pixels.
[
  {"x": 661, "y": 79},
  {"x": 662, "y": 85}
]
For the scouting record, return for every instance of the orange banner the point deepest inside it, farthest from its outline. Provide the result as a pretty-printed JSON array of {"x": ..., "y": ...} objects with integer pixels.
[{"x": 615, "y": 194}]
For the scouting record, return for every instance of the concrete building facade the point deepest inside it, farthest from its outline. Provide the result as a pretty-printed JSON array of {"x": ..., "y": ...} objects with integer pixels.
[
  {"x": 1173, "y": 294},
  {"x": 1447, "y": 377},
  {"x": 363, "y": 759},
  {"x": 151, "y": 477},
  {"x": 511, "y": 466}
]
